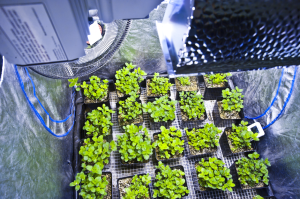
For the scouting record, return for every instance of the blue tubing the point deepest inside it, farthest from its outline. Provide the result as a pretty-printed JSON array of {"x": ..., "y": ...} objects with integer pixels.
[
  {"x": 36, "y": 112},
  {"x": 275, "y": 98},
  {"x": 56, "y": 121},
  {"x": 286, "y": 101}
]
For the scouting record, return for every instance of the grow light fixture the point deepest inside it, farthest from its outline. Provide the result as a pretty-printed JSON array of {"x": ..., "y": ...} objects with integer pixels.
[{"x": 203, "y": 36}]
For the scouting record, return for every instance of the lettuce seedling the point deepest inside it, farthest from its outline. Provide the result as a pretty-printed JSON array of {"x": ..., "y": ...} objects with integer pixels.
[
  {"x": 169, "y": 183},
  {"x": 240, "y": 137},
  {"x": 92, "y": 185},
  {"x": 233, "y": 101},
  {"x": 135, "y": 145},
  {"x": 128, "y": 79},
  {"x": 184, "y": 81},
  {"x": 130, "y": 109},
  {"x": 159, "y": 85},
  {"x": 252, "y": 170},
  {"x": 206, "y": 137},
  {"x": 217, "y": 78},
  {"x": 139, "y": 187},
  {"x": 192, "y": 104},
  {"x": 99, "y": 120},
  {"x": 169, "y": 142},
  {"x": 162, "y": 109},
  {"x": 257, "y": 197},
  {"x": 95, "y": 153},
  {"x": 96, "y": 90},
  {"x": 213, "y": 174}
]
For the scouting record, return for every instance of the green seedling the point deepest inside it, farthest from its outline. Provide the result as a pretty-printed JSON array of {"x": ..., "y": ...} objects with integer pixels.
[
  {"x": 252, "y": 170},
  {"x": 217, "y": 78},
  {"x": 99, "y": 121},
  {"x": 240, "y": 136},
  {"x": 184, "y": 81},
  {"x": 257, "y": 197},
  {"x": 233, "y": 101},
  {"x": 139, "y": 187},
  {"x": 128, "y": 79},
  {"x": 159, "y": 85},
  {"x": 97, "y": 89},
  {"x": 162, "y": 109},
  {"x": 206, "y": 137},
  {"x": 214, "y": 175},
  {"x": 92, "y": 185},
  {"x": 95, "y": 153},
  {"x": 169, "y": 183},
  {"x": 135, "y": 145},
  {"x": 130, "y": 109},
  {"x": 192, "y": 104},
  {"x": 169, "y": 142}
]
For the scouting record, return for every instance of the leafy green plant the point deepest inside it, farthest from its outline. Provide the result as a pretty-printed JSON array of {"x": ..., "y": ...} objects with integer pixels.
[
  {"x": 92, "y": 185},
  {"x": 213, "y": 174},
  {"x": 217, "y": 78},
  {"x": 192, "y": 104},
  {"x": 95, "y": 153},
  {"x": 257, "y": 197},
  {"x": 99, "y": 121},
  {"x": 184, "y": 81},
  {"x": 169, "y": 183},
  {"x": 97, "y": 89},
  {"x": 169, "y": 142},
  {"x": 127, "y": 79},
  {"x": 130, "y": 109},
  {"x": 159, "y": 85},
  {"x": 252, "y": 170},
  {"x": 206, "y": 137},
  {"x": 162, "y": 109},
  {"x": 135, "y": 145},
  {"x": 232, "y": 100},
  {"x": 240, "y": 136},
  {"x": 74, "y": 83},
  {"x": 138, "y": 188}
]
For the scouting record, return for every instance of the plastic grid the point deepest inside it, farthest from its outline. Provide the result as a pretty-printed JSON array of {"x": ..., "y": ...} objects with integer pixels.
[{"x": 119, "y": 171}]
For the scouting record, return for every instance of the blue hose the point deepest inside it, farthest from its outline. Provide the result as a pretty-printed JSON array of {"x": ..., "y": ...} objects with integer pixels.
[
  {"x": 36, "y": 112},
  {"x": 286, "y": 101},
  {"x": 273, "y": 101}
]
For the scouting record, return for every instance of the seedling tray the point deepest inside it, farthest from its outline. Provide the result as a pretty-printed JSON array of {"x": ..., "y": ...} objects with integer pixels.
[
  {"x": 170, "y": 159},
  {"x": 189, "y": 123},
  {"x": 141, "y": 85},
  {"x": 157, "y": 125},
  {"x": 88, "y": 108},
  {"x": 186, "y": 88},
  {"x": 118, "y": 187},
  {"x": 174, "y": 167},
  {"x": 236, "y": 181},
  {"x": 111, "y": 88},
  {"x": 190, "y": 156},
  {"x": 137, "y": 124},
  {"x": 226, "y": 150},
  {"x": 220, "y": 122},
  {"x": 148, "y": 79},
  {"x": 196, "y": 183},
  {"x": 212, "y": 93}
]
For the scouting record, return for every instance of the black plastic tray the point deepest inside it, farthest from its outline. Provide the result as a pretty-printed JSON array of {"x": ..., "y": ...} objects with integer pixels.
[
  {"x": 119, "y": 194},
  {"x": 111, "y": 88},
  {"x": 237, "y": 183},
  {"x": 199, "y": 155},
  {"x": 170, "y": 159},
  {"x": 212, "y": 93},
  {"x": 224, "y": 144},
  {"x": 117, "y": 110},
  {"x": 171, "y": 80},
  {"x": 174, "y": 167},
  {"x": 220, "y": 122}
]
